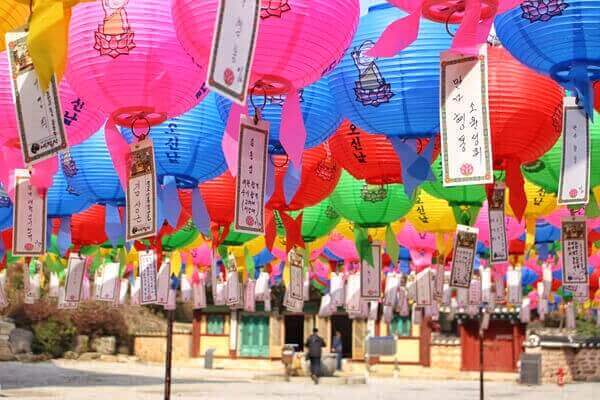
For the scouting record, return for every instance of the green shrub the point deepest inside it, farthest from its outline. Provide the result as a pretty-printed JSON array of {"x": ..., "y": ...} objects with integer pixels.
[
  {"x": 52, "y": 337},
  {"x": 99, "y": 319}
]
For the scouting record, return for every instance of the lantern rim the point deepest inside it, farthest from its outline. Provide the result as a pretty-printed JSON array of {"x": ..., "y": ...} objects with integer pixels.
[
  {"x": 443, "y": 11},
  {"x": 561, "y": 72}
]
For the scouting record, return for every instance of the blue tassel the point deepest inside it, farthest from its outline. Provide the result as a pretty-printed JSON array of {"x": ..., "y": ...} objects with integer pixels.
[
  {"x": 291, "y": 182},
  {"x": 270, "y": 185},
  {"x": 583, "y": 86},
  {"x": 416, "y": 168},
  {"x": 63, "y": 239},
  {"x": 200, "y": 213},
  {"x": 113, "y": 226},
  {"x": 170, "y": 200}
]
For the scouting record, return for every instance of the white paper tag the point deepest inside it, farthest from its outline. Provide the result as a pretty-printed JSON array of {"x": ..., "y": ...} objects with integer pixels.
[
  {"x": 574, "y": 181},
  {"x": 485, "y": 321},
  {"x": 291, "y": 304},
  {"x": 75, "y": 272},
  {"x": 141, "y": 192},
  {"x": 326, "y": 307},
  {"x": 353, "y": 294},
  {"x": 148, "y": 277},
  {"x": 546, "y": 280},
  {"x": 110, "y": 277},
  {"x": 447, "y": 295},
  {"x": 199, "y": 290},
  {"x": 233, "y": 288},
  {"x": 63, "y": 303},
  {"x": 134, "y": 296},
  {"x": 38, "y": 114},
  {"x": 249, "y": 300},
  {"x": 475, "y": 293},
  {"x": 392, "y": 281},
  {"x": 424, "y": 288},
  {"x": 498, "y": 240},
  {"x": 163, "y": 282},
  {"x": 438, "y": 283},
  {"x": 417, "y": 314},
  {"x": 3, "y": 298},
  {"x": 499, "y": 292},
  {"x": 373, "y": 310},
  {"x": 296, "y": 275},
  {"x": 580, "y": 292},
  {"x": 570, "y": 316},
  {"x": 54, "y": 285},
  {"x": 462, "y": 297},
  {"x": 28, "y": 296},
  {"x": 403, "y": 308},
  {"x": 251, "y": 176},
  {"x": 464, "y": 119},
  {"x": 220, "y": 294},
  {"x": 123, "y": 289},
  {"x": 337, "y": 289},
  {"x": 171, "y": 303},
  {"x": 514, "y": 286},
  {"x": 29, "y": 218},
  {"x": 186, "y": 290},
  {"x": 370, "y": 276},
  {"x": 465, "y": 245},
  {"x": 234, "y": 41},
  {"x": 261, "y": 288},
  {"x": 486, "y": 284},
  {"x": 574, "y": 251}
]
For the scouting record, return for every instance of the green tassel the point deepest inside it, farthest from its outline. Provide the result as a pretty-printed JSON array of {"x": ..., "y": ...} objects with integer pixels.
[
  {"x": 592, "y": 210},
  {"x": 391, "y": 244},
  {"x": 249, "y": 261},
  {"x": 363, "y": 246}
]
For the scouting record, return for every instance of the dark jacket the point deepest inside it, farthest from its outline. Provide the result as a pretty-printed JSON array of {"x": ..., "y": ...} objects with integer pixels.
[
  {"x": 315, "y": 344},
  {"x": 337, "y": 344}
]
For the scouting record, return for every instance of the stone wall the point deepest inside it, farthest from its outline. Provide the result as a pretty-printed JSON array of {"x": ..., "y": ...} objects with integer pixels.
[
  {"x": 446, "y": 356},
  {"x": 152, "y": 346},
  {"x": 578, "y": 364}
]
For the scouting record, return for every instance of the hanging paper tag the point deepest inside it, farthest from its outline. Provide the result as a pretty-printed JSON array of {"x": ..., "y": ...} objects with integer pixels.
[
  {"x": 233, "y": 289},
  {"x": 438, "y": 284},
  {"x": 220, "y": 294},
  {"x": 54, "y": 285},
  {"x": 110, "y": 277},
  {"x": 3, "y": 298},
  {"x": 525, "y": 312},
  {"x": 141, "y": 192},
  {"x": 485, "y": 321},
  {"x": 446, "y": 294},
  {"x": 251, "y": 176},
  {"x": 40, "y": 120},
  {"x": 513, "y": 282},
  {"x": 199, "y": 291},
  {"x": 28, "y": 297},
  {"x": 486, "y": 285},
  {"x": 261, "y": 290},
  {"x": 417, "y": 315},
  {"x": 465, "y": 244},
  {"x": 570, "y": 316},
  {"x": 498, "y": 241},
  {"x": 326, "y": 308},
  {"x": 171, "y": 303},
  {"x": 147, "y": 265},
  {"x": 462, "y": 297},
  {"x": 296, "y": 261},
  {"x": 337, "y": 289},
  {"x": 291, "y": 304},
  {"x": 580, "y": 292},
  {"x": 29, "y": 218},
  {"x": 234, "y": 41},
  {"x": 353, "y": 294},
  {"x": 546, "y": 280},
  {"x": 249, "y": 300},
  {"x": 134, "y": 296},
  {"x": 75, "y": 272},
  {"x": 63, "y": 303},
  {"x": 123, "y": 289},
  {"x": 411, "y": 286},
  {"x": 392, "y": 281},
  {"x": 370, "y": 276},
  {"x": 186, "y": 290},
  {"x": 424, "y": 288},
  {"x": 163, "y": 282},
  {"x": 574, "y": 252},
  {"x": 499, "y": 290},
  {"x": 465, "y": 125},
  {"x": 574, "y": 181},
  {"x": 475, "y": 293}
]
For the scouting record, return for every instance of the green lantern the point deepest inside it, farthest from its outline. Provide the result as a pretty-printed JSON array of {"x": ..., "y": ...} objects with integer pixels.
[
  {"x": 369, "y": 206},
  {"x": 237, "y": 238},
  {"x": 464, "y": 200},
  {"x": 545, "y": 172},
  {"x": 317, "y": 221},
  {"x": 180, "y": 238}
]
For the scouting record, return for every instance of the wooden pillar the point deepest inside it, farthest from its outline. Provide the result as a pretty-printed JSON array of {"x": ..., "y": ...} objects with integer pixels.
[
  {"x": 196, "y": 324},
  {"x": 425, "y": 342}
]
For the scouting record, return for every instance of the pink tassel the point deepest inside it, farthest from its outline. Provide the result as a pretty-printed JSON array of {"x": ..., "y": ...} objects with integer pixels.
[
  {"x": 118, "y": 149},
  {"x": 398, "y": 35},
  {"x": 292, "y": 133},
  {"x": 229, "y": 143}
]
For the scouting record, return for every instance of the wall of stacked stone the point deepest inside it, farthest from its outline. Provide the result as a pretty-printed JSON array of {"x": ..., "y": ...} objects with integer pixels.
[
  {"x": 445, "y": 352},
  {"x": 578, "y": 364}
]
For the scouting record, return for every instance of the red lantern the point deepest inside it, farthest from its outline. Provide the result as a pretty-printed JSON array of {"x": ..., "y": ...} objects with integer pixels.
[
  {"x": 370, "y": 156},
  {"x": 219, "y": 196},
  {"x": 594, "y": 280},
  {"x": 525, "y": 116},
  {"x": 320, "y": 173},
  {"x": 87, "y": 227}
]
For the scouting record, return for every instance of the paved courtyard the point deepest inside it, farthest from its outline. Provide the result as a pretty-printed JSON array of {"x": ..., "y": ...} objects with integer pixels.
[{"x": 134, "y": 381}]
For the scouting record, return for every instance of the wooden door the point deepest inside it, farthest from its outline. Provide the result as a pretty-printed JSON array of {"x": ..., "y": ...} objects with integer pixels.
[{"x": 254, "y": 332}]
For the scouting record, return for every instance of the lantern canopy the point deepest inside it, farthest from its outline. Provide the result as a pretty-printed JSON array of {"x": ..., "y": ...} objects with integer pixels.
[
  {"x": 369, "y": 206},
  {"x": 187, "y": 147},
  {"x": 396, "y": 96},
  {"x": 125, "y": 58},
  {"x": 558, "y": 38}
]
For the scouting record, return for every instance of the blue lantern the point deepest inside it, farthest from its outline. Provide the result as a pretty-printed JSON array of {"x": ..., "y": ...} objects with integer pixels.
[
  {"x": 319, "y": 110},
  {"x": 6, "y": 210},
  {"x": 63, "y": 199},
  {"x": 188, "y": 147},
  {"x": 396, "y": 96},
  {"x": 560, "y": 38}
]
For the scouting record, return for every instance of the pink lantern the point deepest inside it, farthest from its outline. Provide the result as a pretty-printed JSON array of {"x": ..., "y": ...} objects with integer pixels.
[
  {"x": 342, "y": 248},
  {"x": 475, "y": 18},
  {"x": 421, "y": 245},
  {"x": 124, "y": 57},
  {"x": 298, "y": 42},
  {"x": 514, "y": 228},
  {"x": 557, "y": 216}
]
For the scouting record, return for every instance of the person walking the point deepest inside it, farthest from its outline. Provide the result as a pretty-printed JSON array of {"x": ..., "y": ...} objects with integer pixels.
[
  {"x": 338, "y": 350},
  {"x": 315, "y": 344}
]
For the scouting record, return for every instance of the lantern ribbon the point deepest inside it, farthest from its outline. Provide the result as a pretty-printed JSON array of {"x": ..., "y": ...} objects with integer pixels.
[
  {"x": 113, "y": 226},
  {"x": 363, "y": 244},
  {"x": 42, "y": 172},
  {"x": 292, "y": 133},
  {"x": 579, "y": 80},
  {"x": 229, "y": 143},
  {"x": 249, "y": 261},
  {"x": 171, "y": 203},
  {"x": 416, "y": 168},
  {"x": 48, "y": 232},
  {"x": 119, "y": 149},
  {"x": 291, "y": 182},
  {"x": 516, "y": 186},
  {"x": 270, "y": 184},
  {"x": 391, "y": 244},
  {"x": 530, "y": 225},
  {"x": 293, "y": 231},
  {"x": 63, "y": 239},
  {"x": 195, "y": 276},
  {"x": 472, "y": 32},
  {"x": 48, "y": 36},
  {"x": 270, "y": 228},
  {"x": 200, "y": 212},
  {"x": 218, "y": 235}
]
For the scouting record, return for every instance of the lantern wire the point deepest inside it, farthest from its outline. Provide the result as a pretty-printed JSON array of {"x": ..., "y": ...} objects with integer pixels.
[
  {"x": 136, "y": 118},
  {"x": 258, "y": 109},
  {"x": 454, "y": 10}
]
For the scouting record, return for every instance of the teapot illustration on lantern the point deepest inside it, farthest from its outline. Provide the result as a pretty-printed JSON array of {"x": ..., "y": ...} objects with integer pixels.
[
  {"x": 114, "y": 36},
  {"x": 371, "y": 88}
]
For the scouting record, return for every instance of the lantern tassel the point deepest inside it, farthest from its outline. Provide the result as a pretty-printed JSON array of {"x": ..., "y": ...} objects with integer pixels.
[
  {"x": 270, "y": 229},
  {"x": 399, "y": 34},
  {"x": 113, "y": 226},
  {"x": 291, "y": 182},
  {"x": 472, "y": 31},
  {"x": 516, "y": 186},
  {"x": 293, "y": 231},
  {"x": 416, "y": 168},
  {"x": 391, "y": 244},
  {"x": 171, "y": 203},
  {"x": 229, "y": 142},
  {"x": 42, "y": 173},
  {"x": 363, "y": 245},
  {"x": 118, "y": 149},
  {"x": 200, "y": 213},
  {"x": 270, "y": 185},
  {"x": 63, "y": 239},
  {"x": 582, "y": 84},
  {"x": 292, "y": 134}
]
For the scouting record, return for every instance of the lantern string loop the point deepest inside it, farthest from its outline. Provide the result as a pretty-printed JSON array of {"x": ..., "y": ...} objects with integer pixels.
[
  {"x": 134, "y": 120},
  {"x": 258, "y": 109}
]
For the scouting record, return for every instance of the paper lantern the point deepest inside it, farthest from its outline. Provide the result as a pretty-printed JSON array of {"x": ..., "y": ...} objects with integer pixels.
[
  {"x": 545, "y": 171},
  {"x": 180, "y": 238},
  {"x": 12, "y": 16},
  {"x": 464, "y": 200},
  {"x": 298, "y": 40},
  {"x": 318, "y": 178},
  {"x": 431, "y": 214},
  {"x": 421, "y": 245},
  {"x": 90, "y": 171},
  {"x": 125, "y": 58},
  {"x": 346, "y": 229},
  {"x": 87, "y": 227},
  {"x": 558, "y": 38},
  {"x": 318, "y": 107},
  {"x": 370, "y": 156},
  {"x": 513, "y": 227},
  {"x": 6, "y": 210},
  {"x": 317, "y": 221},
  {"x": 396, "y": 96},
  {"x": 219, "y": 197},
  {"x": 369, "y": 206},
  {"x": 237, "y": 238},
  {"x": 62, "y": 199},
  {"x": 188, "y": 147}
]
